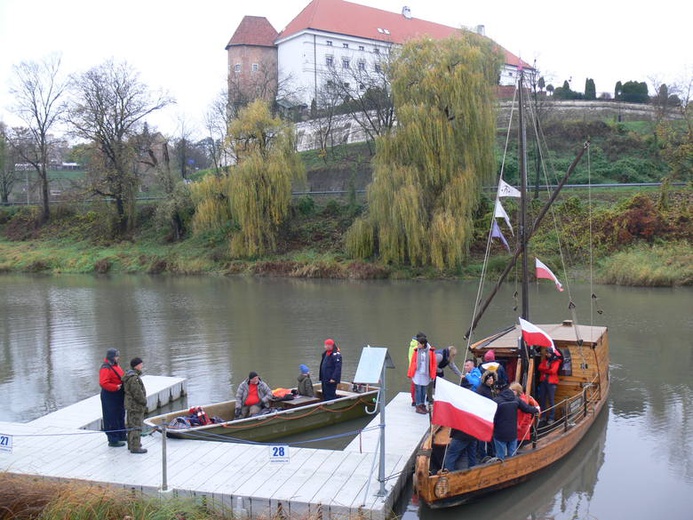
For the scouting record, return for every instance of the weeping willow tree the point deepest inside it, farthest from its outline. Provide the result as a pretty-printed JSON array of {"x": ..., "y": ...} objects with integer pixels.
[
  {"x": 256, "y": 194},
  {"x": 428, "y": 172}
]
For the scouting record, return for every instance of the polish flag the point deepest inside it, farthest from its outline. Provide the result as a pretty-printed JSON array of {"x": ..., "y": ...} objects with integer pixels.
[
  {"x": 545, "y": 272},
  {"x": 463, "y": 410},
  {"x": 534, "y": 336}
]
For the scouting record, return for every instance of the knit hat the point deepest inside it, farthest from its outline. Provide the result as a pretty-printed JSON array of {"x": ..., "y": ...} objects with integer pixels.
[
  {"x": 490, "y": 356},
  {"x": 112, "y": 353},
  {"x": 304, "y": 369},
  {"x": 135, "y": 361},
  {"x": 329, "y": 342},
  {"x": 252, "y": 375}
]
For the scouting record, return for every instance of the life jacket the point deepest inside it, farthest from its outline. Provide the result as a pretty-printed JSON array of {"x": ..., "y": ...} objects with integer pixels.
[
  {"x": 281, "y": 392},
  {"x": 198, "y": 414}
]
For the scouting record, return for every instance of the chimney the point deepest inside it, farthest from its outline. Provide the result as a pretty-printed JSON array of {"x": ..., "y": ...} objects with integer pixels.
[{"x": 406, "y": 12}]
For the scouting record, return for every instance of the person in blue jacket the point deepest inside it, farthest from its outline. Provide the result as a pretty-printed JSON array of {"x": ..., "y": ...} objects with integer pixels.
[
  {"x": 472, "y": 375},
  {"x": 330, "y": 370}
]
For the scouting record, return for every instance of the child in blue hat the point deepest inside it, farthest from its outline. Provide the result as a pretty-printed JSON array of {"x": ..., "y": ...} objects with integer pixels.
[{"x": 305, "y": 384}]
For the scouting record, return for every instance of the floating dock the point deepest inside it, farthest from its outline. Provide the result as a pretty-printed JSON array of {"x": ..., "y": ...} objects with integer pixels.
[{"x": 247, "y": 480}]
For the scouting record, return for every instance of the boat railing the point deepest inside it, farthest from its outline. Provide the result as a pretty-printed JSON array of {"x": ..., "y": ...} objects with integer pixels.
[{"x": 572, "y": 410}]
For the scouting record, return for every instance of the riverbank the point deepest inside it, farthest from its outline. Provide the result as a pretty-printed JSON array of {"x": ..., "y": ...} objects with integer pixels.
[{"x": 639, "y": 240}]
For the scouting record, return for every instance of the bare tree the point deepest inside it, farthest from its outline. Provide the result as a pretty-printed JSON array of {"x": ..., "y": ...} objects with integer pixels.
[
  {"x": 109, "y": 108},
  {"x": 324, "y": 121},
  {"x": 365, "y": 91},
  {"x": 258, "y": 83},
  {"x": 217, "y": 120},
  {"x": 7, "y": 173},
  {"x": 38, "y": 94}
]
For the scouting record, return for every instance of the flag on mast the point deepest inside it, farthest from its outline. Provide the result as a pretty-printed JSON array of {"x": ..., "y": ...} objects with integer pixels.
[
  {"x": 496, "y": 233},
  {"x": 534, "y": 336},
  {"x": 506, "y": 190},
  {"x": 545, "y": 272},
  {"x": 499, "y": 211},
  {"x": 463, "y": 409}
]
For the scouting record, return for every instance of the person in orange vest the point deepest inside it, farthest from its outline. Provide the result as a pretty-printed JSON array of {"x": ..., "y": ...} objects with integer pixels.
[
  {"x": 524, "y": 420},
  {"x": 422, "y": 370},
  {"x": 252, "y": 396}
]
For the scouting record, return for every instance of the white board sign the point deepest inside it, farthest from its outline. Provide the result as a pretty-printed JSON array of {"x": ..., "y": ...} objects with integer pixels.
[
  {"x": 279, "y": 453},
  {"x": 6, "y": 443}
]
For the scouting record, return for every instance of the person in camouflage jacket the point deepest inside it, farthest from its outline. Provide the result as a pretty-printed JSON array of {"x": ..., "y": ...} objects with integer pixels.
[{"x": 135, "y": 405}]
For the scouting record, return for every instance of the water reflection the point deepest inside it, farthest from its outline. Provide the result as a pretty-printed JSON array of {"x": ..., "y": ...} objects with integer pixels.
[{"x": 54, "y": 332}]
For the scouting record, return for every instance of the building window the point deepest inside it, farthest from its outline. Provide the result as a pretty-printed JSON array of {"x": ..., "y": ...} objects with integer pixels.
[
  {"x": 255, "y": 67},
  {"x": 362, "y": 86},
  {"x": 377, "y": 68},
  {"x": 346, "y": 85},
  {"x": 362, "y": 48},
  {"x": 329, "y": 61},
  {"x": 362, "y": 65},
  {"x": 346, "y": 63},
  {"x": 328, "y": 43},
  {"x": 345, "y": 45},
  {"x": 376, "y": 50},
  {"x": 237, "y": 67}
]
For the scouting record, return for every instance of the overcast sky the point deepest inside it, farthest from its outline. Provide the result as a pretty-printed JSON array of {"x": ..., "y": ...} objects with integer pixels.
[{"x": 178, "y": 46}]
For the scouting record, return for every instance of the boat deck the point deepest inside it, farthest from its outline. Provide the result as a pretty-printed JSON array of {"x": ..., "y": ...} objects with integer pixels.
[{"x": 243, "y": 479}]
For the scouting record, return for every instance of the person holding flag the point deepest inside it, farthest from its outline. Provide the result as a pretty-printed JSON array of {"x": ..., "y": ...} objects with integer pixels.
[
  {"x": 470, "y": 417},
  {"x": 550, "y": 364}
]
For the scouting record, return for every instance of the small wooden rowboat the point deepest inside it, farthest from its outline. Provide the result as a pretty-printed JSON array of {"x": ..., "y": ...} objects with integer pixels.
[{"x": 282, "y": 419}]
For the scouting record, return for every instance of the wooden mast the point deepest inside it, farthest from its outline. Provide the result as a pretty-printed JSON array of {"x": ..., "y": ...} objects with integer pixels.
[
  {"x": 523, "y": 231},
  {"x": 528, "y": 232}
]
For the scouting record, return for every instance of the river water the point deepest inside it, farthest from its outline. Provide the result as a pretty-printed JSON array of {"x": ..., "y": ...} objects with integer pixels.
[{"x": 636, "y": 463}]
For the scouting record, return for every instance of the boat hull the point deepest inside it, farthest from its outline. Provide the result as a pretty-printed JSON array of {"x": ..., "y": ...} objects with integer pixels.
[
  {"x": 583, "y": 397},
  {"x": 285, "y": 418}
]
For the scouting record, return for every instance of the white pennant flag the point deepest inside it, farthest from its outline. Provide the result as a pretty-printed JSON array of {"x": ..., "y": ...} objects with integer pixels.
[
  {"x": 500, "y": 212},
  {"x": 506, "y": 190}
]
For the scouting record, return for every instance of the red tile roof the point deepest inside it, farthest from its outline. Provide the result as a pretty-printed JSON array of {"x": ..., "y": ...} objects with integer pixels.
[
  {"x": 341, "y": 17},
  {"x": 254, "y": 30}
]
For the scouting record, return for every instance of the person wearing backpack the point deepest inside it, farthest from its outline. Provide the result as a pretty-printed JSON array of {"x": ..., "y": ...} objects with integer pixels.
[{"x": 548, "y": 381}]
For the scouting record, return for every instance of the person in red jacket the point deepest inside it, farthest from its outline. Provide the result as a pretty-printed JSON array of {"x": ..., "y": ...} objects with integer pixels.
[
  {"x": 548, "y": 380},
  {"x": 422, "y": 370},
  {"x": 113, "y": 399},
  {"x": 524, "y": 420}
]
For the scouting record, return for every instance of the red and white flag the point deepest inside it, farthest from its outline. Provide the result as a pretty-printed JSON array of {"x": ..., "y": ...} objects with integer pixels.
[
  {"x": 545, "y": 272},
  {"x": 534, "y": 336},
  {"x": 463, "y": 410}
]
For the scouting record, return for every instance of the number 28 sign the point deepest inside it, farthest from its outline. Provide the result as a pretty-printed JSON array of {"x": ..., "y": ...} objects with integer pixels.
[{"x": 279, "y": 453}]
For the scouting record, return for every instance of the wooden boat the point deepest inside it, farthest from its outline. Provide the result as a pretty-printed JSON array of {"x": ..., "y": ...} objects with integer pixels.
[
  {"x": 580, "y": 396},
  {"x": 284, "y": 417}
]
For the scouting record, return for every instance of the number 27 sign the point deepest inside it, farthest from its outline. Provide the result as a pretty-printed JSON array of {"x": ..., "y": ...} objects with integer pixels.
[{"x": 5, "y": 442}]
